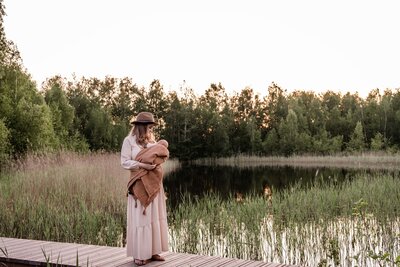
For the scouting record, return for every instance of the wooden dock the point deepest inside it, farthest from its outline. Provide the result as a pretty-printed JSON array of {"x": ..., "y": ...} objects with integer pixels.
[{"x": 23, "y": 252}]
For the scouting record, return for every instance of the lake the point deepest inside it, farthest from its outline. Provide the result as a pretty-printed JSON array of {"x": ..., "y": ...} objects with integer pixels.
[
  {"x": 197, "y": 180},
  {"x": 315, "y": 223}
]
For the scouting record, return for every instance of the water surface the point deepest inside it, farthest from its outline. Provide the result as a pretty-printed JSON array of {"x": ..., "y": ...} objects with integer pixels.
[{"x": 198, "y": 180}]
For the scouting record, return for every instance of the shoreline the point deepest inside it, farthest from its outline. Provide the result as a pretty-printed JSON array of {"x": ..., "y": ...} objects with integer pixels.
[{"x": 363, "y": 161}]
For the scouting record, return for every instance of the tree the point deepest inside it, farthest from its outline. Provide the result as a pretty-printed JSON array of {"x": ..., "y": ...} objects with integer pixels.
[
  {"x": 356, "y": 142},
  {"x": 62, "y": 112},
  {"x": 122, "y": 108},
  {"x": 335, "y": 122},
  {"x": 323, "y": 143},
  {"x": 22, "y": 109},
  {"x": 351, "y": 108},
  {"x": 377, "y": 142},
  {"x": 309, "y": 111},
  {"x": 245, "y": 134},
  {"x": 276, "y": 107},
  {"x": 215, "y": 97},
  {"x": 254, "y": 135},
  {"x": 31, "y": 127},
  {"x": 26, "y": 114},
  {"x": 373, "y": 114},
  {"x": 387, "y": 110},
  {"x": 245, "y": 105},
  {"x": 288, "y": 134},
  {"x": 271, "y": 143},
  {"x": 181, "y": 125},
  {"x": 4, "y": 142},
  {"x": 98, "y": 130},
  {"x": 157, "y": 103},
  {"x": 394, "y": 120}
]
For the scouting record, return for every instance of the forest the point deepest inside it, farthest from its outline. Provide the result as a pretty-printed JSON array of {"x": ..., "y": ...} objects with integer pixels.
[{"x": 92, "y": 114}]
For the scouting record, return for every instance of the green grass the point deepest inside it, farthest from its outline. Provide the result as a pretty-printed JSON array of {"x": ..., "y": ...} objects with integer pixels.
[
  {"x": 75, "y": 198},
  {"x": 324, "y": 223}
]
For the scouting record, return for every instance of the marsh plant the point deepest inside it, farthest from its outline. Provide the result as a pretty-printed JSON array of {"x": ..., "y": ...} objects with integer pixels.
[
  {"x": 67, "y": 197},
  {"x": 356, "y": 223},
  {"x": 365, "y": 160}
]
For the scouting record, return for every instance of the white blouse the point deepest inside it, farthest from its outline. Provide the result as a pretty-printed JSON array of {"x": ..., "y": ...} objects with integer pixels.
[{"x": 129, "y": 151}]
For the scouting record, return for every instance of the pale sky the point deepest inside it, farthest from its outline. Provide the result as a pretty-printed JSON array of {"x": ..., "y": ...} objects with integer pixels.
[{"x": 318, "y": 45}]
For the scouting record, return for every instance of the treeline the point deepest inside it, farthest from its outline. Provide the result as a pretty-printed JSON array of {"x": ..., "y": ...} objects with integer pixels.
[
  {"x": 91, "y": 114},
  {"x": 94, "y": 114}
]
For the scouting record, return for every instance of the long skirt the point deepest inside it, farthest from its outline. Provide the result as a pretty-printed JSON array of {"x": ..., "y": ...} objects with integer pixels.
[{"x": 147, "y": 234}]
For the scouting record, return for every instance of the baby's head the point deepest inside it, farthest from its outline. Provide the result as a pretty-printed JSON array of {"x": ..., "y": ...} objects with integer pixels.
[{"x": 163, "y": 142}]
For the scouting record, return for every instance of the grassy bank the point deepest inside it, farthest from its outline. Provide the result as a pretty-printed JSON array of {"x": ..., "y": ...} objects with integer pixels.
[
  {"x": 66, "y": 197},
  {"x": 372, "y": 160}
]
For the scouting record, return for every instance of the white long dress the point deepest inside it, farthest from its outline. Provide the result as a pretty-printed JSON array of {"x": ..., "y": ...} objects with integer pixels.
[{"x": 147, "y": 234}]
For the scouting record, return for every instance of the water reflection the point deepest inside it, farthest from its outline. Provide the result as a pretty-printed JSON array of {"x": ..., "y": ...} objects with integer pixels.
[{"x": 238, "y": 182}]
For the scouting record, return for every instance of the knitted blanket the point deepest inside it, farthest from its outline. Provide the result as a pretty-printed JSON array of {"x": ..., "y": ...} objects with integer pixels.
[{"x": 144, "y": 185}]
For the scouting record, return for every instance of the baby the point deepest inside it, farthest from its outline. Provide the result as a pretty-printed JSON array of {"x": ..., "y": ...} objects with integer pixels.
[{"x": 163, "y": 142}]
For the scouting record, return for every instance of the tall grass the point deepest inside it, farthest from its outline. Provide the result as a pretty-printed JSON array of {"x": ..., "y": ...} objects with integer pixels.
[
  {"x": 335, "y": 225},
  {"x": 68, "y": 197},
  {"x": 367, "y": 160}
]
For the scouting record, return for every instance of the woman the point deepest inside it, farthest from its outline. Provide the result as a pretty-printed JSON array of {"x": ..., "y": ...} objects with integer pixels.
[{"x": 147, "y": 228}]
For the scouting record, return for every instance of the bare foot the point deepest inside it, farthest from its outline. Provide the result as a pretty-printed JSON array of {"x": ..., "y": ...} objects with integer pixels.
[
  {"x": 140, "y": 262},
  {"x": 157, "y": 258}
]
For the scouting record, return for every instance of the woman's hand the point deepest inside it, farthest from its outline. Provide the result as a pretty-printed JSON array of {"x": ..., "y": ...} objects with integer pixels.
[{"x": 146, "y": 166}]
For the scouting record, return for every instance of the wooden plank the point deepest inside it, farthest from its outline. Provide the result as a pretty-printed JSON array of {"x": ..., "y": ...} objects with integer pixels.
[
  {"x": 106, "y": 256},
  {"x": 119, "y": 257},
  {"x": 129, "y": 264},
  {"x": 223, "y": 262},
  {"x": 192, "y": 261},
  {"x": 30, "y": 252},
  {"x": 243, "y": 263},
  {"x": 83, "y": 253},
  {"x": 170, "y": 258},
  {"x": 177, "y": 261},
  {"x": 102, "y": 256},
  {"x": 20, "y": 243},
  {"x": 12, "y": 239},
  {"x": 167, "y": 255},
  {"x": 237, "y": 262},
  {"x": 67, "y": 255},
  {"x": 273, "y": 264},
  {"x": 123, "y": 260},
  {"x": 5, "y": 241},
  {"x": 111, "y": 261},
  {"x": 26, "y": 252},
  {"x": 56, "y": 251},
  {"x": 23, "y": 247},
  {"x": 205, "y": 262},
  {"x": 254, "y": 264}
]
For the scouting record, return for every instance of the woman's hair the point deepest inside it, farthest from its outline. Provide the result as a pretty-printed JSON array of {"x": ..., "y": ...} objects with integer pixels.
[{"x": 142, "y": 133}]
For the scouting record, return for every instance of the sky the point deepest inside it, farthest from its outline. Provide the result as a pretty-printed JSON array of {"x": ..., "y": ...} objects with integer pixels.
[{"x": 314, "y": 45}]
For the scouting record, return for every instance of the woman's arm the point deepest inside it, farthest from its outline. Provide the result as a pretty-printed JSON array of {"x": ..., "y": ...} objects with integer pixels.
[{"x": 126, "y": 156}]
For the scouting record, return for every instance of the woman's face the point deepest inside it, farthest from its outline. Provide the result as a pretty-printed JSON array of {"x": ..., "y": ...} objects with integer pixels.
[{"x": 143, "y": 129}]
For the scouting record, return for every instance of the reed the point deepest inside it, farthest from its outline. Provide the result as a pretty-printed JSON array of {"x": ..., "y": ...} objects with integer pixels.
[
  {"x": 366, "y": 160},
  {"x": 335, "y": 225},
  {"x": 69, "y": 198}
]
